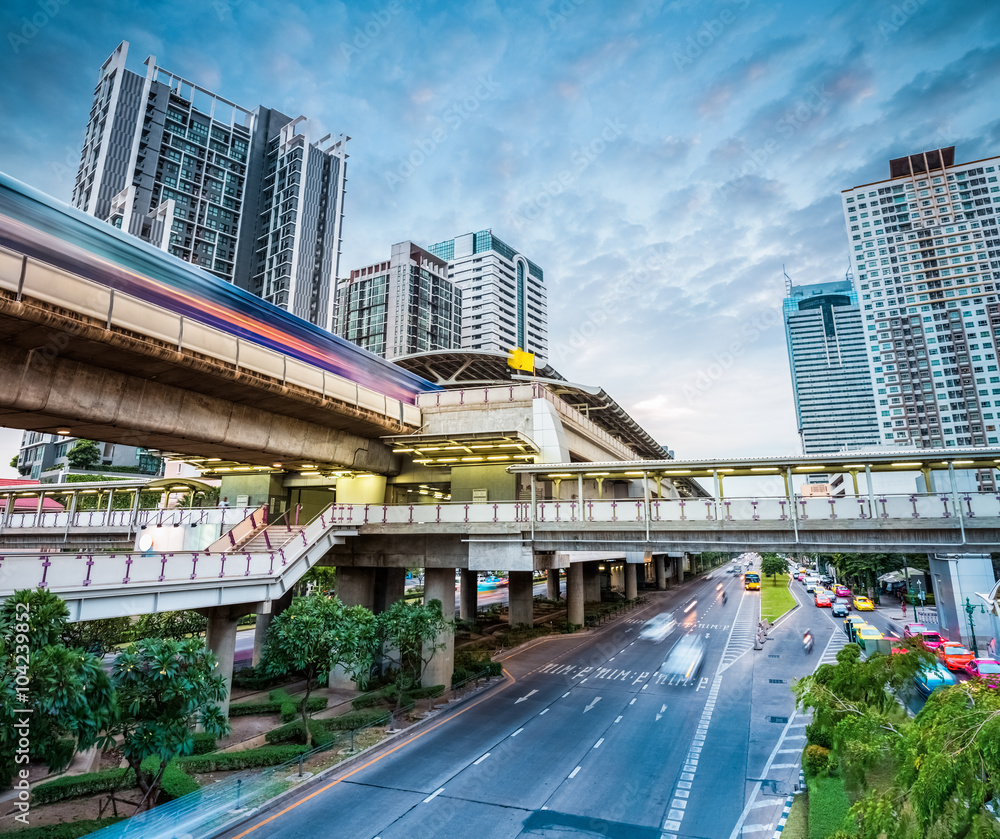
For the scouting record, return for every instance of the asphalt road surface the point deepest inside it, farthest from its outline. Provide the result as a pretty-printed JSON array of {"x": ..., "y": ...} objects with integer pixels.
[{"x": 588, "y": 738}]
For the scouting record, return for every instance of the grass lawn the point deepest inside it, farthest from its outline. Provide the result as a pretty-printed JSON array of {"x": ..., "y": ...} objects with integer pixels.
[
  {"x": 797, "y": 826},
  {"x": 775, "y": 598}
]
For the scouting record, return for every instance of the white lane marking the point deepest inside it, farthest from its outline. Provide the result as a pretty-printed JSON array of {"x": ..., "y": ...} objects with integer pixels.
[
  {"x": 597, "y": 745},
  {"x": 632, "y": 702},
  {"x": 784, "y": 766},
  {"x": 543, "y": 711},
  {"x": 763, "y": 803},
  {"x": 564, "y": 695},
  {"x": 573, "y": 773},
  {"x": 529, "y": 693},
  {"x": 592, "y": 704},
  {"x": 433, "y": 795},
  {"x": 476, "y": 763},
  {"x": 660, "y": 714},
  {"x": 756, "y": 788},
  {"x": 618, "y": 720},
  {"x": 789, "y": 751},
  {"x": 756, "y": 828},
  {"x": 517, "y": 732},
  {"x": 612, "y": 658},
  {"x": 645, "y": 686}
]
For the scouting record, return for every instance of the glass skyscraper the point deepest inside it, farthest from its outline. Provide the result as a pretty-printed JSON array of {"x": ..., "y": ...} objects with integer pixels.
[
  {"x": 504, "y": 303},
  {"x": 243, "y": 194},
  {"x": 831, "y": 380}
]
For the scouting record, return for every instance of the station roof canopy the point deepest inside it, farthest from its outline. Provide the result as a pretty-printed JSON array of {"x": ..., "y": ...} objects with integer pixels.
[
  {"x": 893, "y": 460},
  {"x": 449, "y": 450},
  {"x": 455, "y": 369}
]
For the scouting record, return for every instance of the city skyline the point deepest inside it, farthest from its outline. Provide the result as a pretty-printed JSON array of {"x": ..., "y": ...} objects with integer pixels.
[{"x": 661, "y": 161}]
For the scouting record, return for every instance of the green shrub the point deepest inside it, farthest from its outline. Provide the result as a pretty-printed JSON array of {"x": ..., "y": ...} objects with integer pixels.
[
  {"x": 426, "y": 693},
  {"x": 67, "y": 830},
  {"x": 293, "y": 732},
  {"x": 203, "y": 744},
  {"x": 247, "y": 759},
  {"x": 815, "y": 760},
  {"x": 249, "y": 709},
  {"x": 290, "y": 708},
  {"x": 816, "y": 736},
  {"x": 76, "y": 786},
  {"x": 175, "y": 783},
  {"x": 828, "y": 806},
  {"x": 278, "y": 702},
  {"x": 356, "y": 719},
  {"x": 366, "y": 700}
]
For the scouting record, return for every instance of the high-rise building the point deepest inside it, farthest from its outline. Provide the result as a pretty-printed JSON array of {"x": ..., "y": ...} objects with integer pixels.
[
  {"x": 45, "y": 457},
  {"x": 831, "y": 380},
  {"x": 925, "y": 252},
  {"x": 244, "y": 194},
  {"x": 404, "y": 306},
  {"x": 504, "y": 302}
]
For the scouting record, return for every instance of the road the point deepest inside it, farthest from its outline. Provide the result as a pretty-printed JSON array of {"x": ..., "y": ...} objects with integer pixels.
[{"x": 587, "y": 738}]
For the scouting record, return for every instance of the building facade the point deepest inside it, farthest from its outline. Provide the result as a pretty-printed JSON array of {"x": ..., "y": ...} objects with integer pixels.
[
  {"x": 43, "y": 457},
  {"x": 504, "y": 303},
  {"x": 925, "y": 252},
  {"x": 243, "y": 194},
  {"x": 403, "y": 306},
  {"x": 828, "y": 358}
]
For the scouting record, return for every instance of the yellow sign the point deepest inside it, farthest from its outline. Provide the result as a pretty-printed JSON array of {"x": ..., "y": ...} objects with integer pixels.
[{"x": 521, "y": 360}]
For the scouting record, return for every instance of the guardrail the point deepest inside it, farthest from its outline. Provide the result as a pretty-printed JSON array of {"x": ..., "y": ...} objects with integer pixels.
[{"x": 125, "y": 520}]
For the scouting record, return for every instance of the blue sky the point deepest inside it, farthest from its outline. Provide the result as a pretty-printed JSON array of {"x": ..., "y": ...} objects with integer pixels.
[{"x": 660, "y": 160}]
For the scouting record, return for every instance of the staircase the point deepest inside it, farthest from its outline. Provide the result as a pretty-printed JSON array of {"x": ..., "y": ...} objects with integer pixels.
[{"x": 268, "y": 538}]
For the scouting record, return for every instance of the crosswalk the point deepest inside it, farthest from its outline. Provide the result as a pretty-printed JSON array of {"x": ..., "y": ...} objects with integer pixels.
[
  {"x": 836, "y": 643},
  {"x": 743, "y": 633}
]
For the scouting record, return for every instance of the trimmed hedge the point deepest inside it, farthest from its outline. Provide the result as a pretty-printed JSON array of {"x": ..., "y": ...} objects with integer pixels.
[
  {"x": 203, "y": 744},
  {"x": 247, "y": 759},
  {"x": 77, "y": 786},
  {"x": 67, "y": 830},
  {"x": 366, "y": 700},
  {"x": 278, "y": 702},
  {"x": 294, "y": 733},
  {"x": 290, "y": 708},
  {"x": 356, "y": 720},
  {"x": 176, "y": 783},
  {"x": 828, "y": 806}
]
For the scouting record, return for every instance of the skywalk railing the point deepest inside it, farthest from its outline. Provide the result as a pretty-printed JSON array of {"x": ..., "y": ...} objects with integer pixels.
[{"x": 125, "y": 519}]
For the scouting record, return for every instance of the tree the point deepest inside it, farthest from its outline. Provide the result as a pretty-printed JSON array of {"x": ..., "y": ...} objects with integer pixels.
[
  {"x": 164, "y": 688},
  {"x": 85, "y": 454},
  {"x": 411, "y": 632},
  {"x": 772, "y": 564},
  {"x": 50, "y": 694},
  {"x": 315, "y": 634},
  {"x": 99, "y": 637}
]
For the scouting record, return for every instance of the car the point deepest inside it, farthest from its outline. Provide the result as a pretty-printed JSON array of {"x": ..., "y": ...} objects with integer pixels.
[
  {"x": 954, "y": 656},
  {"x": 826, "y": 580},
  {"x": 845, "y": 600},
  {"x": 851, "y": 623},
  {"x": 932, "y": 640},
  {"x": 865, "y": 635},
  {"x": 812, "y": 584},
  {"x": 839, "y": 608},
  {"x": 986, "y": 669},
  {"x": 932, "y": 676},
  {"x": 658, "y": 627},
  {"x": 841, "y": 591},
  {"x": 800, "y": 576},
  {"x": 863, "y": 604},
  {"x": 685, "y": 657},
  {"x": 822, "y": 599}
]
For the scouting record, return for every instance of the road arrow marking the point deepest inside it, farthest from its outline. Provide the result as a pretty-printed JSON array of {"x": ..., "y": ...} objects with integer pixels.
[
  {"x": 660, "y": 714},
  {"x": 592, "y": 704},
  {"x": 530, "y": 693}
]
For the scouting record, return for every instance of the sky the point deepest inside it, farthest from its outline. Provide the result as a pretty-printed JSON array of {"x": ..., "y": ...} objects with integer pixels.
[{"x": 663, "y": 162}]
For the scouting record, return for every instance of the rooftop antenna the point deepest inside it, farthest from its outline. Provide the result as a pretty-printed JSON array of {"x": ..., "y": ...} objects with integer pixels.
[{"x": 788, "y": 281}]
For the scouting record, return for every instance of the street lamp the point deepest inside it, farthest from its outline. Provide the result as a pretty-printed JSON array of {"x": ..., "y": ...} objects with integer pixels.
[{"x": 970, "y": 610}]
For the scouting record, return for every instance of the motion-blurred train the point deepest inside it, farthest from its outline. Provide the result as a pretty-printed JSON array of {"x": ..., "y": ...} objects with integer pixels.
[{"x": 50, "y": 231}]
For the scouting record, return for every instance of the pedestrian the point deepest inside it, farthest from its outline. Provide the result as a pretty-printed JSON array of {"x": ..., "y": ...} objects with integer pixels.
[
  {"x": 902, "y": 603},
  {"x": 224, "y": 502}
]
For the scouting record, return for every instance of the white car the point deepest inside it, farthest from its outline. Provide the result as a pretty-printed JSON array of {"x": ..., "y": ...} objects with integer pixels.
[
  {"x": 659, "y": 627},
  {"x": 685, "y": 658}
]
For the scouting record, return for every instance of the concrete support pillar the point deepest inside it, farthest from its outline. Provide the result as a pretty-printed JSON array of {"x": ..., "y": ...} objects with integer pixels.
[
  {"x": 521, "y": 601},
  {"x": 552, "y": 578},
  {"x": 389, "y": 587},
  {"x": 220, "y": 638},
  {"x": 356, "y": 586},
  {"x": 439, "y": 584},
  {"x": 469, "y": 600},
  {"x": 264, "y": 621},
  {"x": 591, "y": 582},
  {"x": 631, "y": 585},
  {"x": 659, "y": 564},
  {"x": 574, "y": 593}
]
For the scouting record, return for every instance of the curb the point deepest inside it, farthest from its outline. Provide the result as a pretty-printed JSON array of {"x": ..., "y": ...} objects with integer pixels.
[
  {"x": 788, "y": 806},
  {"x": 781, "y": 618}
]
